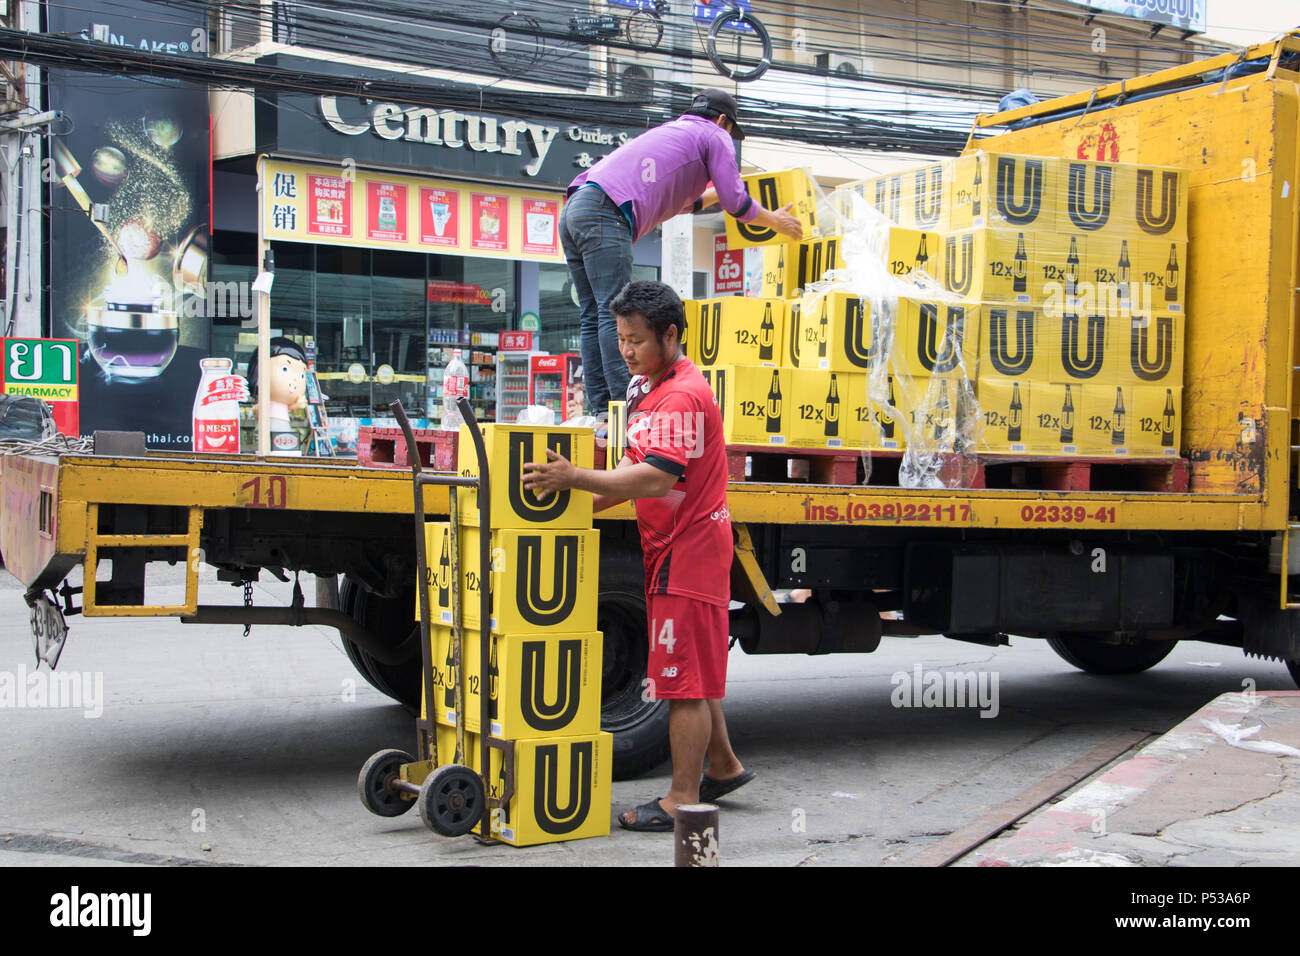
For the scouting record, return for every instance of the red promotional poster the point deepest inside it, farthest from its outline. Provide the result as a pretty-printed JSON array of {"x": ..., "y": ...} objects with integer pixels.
[
  {"x": 463, "y": 292},
  {"x": 439, "y": 217},
  {"x": 386, "y": 211},
  {"x": 489, "y": 217},
  {"x": 728, "y": 268},
  {"x": 540, "y": 230},
  {"x": 329, "y": 206}
]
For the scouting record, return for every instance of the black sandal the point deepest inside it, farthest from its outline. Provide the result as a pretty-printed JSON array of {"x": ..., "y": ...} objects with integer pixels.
[{"x": 650, "y": 818}]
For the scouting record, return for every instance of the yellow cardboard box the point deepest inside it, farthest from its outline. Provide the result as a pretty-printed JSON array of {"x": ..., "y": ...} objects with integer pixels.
[
  {"x": 1158, "y": 419},
  {"x": 539, "y": 685},
  {"x": 540, "y": 580},
  {"x": 1148, "y": 349},
  {"x": 780, "y": 270},
  {"x": 1107, "y": 420},
  {"x": 942, "y": 412},
  {"x": 1004, "y": 191},
  {"x": 1162, "y": 269},
  {"x": 563, "y": 787},
  {"x": 1011, "y": 343},
  {"x": 914, "y": 198},
  {"x": 814, "y": 259},
  {"x": 831, "y": 410},
  {"x": 1007, "y": 407},
  {"x": 1158, "y": 207},
  {"x": 1079, "y": 348},
  {"x": 837, "y": 332},
  {"x": 773, "y": 191},
  {"x": 934, "y": 338},
  {"x": 737, "y": 331},
  {"x": 754, "y": 401},
  {"x": 508, "y": 448},
  {"x": 1053, "y": 424}
]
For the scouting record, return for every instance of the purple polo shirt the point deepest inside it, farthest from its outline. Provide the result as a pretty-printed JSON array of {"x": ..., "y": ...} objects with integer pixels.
[{"x": 667, "y": 168}]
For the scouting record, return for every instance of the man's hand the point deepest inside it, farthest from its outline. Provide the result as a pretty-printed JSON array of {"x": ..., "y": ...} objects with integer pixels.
[
  {"x": 787, "y": 224},
  {"x": 556, "y": 474}
]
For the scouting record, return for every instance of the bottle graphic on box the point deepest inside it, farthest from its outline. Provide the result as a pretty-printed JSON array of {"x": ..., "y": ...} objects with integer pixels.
[
  {"x": 774, "y": 404},
  {"x": 1171, "y": 274},
  {"x": 444, "y": 574},
  {"x": 1167, "y": 421},
  {"x": 1014, "y": 415},
  {"x": 1117, "y": 426},
  {"x": 1019, "y": 275},
  {"x": 887, "y": 425},
  {"x": 1122, "y": 271},
  {"x": 822, "y": 330},
  {"x": 922, "y": 254},
  {"x": 833, "y": 409},
  {"x": 1072, "y": 268},
  {"x": 780, "y": 271},
  {"x": 942, "y": 413},
  {"x": 766, "y": 335},
  {"x": 1067, "y": 418},
  {"x": 975, "y": 191}
]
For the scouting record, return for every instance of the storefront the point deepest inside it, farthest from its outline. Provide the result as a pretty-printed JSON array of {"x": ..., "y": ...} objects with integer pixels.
[{"x": 399, "y": 233}]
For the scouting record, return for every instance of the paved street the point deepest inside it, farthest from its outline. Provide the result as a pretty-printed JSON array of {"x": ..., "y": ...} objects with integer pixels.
[{"x": 217, "y": 748}]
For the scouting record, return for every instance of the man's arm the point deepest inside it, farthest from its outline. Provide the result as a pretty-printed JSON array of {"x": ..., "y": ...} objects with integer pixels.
[
  {"x": 601, "y": 502},
  {"x": 634, "y": 481},
  {"x": 720, "y": 159},
  {"x": 708, "y": 198}
]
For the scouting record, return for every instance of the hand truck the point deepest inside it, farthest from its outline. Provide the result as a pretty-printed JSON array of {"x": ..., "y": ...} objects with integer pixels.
[{"x": 451, "y": 797}]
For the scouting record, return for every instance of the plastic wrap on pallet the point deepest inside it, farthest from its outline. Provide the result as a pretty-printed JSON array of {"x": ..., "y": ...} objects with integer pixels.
[{"x": 911, "y": 341}]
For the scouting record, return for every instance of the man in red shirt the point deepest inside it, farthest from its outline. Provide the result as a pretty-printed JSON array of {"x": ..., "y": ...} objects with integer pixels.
[{"x": 675, "y": 470}]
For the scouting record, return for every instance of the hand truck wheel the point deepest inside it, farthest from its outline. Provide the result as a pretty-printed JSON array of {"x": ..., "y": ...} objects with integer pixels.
[
  {"x": 451, "y": 800},
  {"x": 372, "y": 783}
]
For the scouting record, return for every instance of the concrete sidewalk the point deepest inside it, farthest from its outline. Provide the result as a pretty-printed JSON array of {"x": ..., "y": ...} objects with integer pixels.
[{"x": 1188, "y": 799}]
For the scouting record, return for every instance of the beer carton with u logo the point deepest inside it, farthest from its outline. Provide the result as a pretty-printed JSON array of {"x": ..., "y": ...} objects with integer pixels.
[
  {"x": 1011, "y": 343},
  {"x": 1079, "y": 347},
  {"x": 1020, "y": 266},
  {"x": 1137, "y": 275},
  {"x": 914, "y": 198},
  {"x": 562, "y": 788},
  {"x": 1108, "y": 426},
  {"x": 936, "y": 338},
  {"x": 773, "y": 191},
  {"x": 1007, "y": 408},
  {"x": 754, "y": 401},
  {"x": 1157, "y": 421},
  {"x": 837, "y": 332},
  {"x": 539, "y": 685},
  {"x": 1005, "y": 191},
  {"x": 1120, "y": 199},
  {"x": 540, "y": 581},
  {"x": 736, "y": 331},
  {"x": 508, "y": 448},
  {"x": 1147, "y": 349}
]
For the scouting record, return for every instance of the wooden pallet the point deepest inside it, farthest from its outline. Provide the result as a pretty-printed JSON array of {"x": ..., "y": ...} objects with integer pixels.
[
  {"x": 818, "y": 466},
  {"x": 1003, "y": 472},
  {"x": 379, "y": 447}
]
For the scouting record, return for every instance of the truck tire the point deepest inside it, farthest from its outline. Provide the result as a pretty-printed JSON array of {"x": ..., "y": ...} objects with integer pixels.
[
  {"x": 1294, "y": 668},
  {"x": 640, "y": 727},
  {"x": 1088, "y": 653},
  {"x": 391, "y": 618}
]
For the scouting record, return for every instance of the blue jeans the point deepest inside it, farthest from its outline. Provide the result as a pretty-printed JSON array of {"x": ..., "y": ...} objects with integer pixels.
[{"x": 597, "y": 245}]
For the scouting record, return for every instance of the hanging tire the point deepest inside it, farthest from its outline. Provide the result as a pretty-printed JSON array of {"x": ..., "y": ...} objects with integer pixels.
[
  {"x": 1088, "y": 653},
  {"x": 740, "y": 21},
  {"x": 639, "y": 726},
  {"x": 392, "y": 619}
]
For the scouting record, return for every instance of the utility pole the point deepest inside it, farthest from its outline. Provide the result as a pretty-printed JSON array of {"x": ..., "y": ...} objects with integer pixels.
[{"x": 21, "y": 156}]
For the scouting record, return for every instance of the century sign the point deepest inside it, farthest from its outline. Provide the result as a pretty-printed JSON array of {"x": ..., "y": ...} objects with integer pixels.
[{"x": 463, "y": 130}]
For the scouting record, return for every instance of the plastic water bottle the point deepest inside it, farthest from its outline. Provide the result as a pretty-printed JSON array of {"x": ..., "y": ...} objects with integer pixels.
[{"x": 455, "y": 385}]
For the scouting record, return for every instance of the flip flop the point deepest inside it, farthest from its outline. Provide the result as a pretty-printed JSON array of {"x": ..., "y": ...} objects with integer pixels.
[
  {"x": 650, "y": 818},
  {"x": 711, "y": 789}
]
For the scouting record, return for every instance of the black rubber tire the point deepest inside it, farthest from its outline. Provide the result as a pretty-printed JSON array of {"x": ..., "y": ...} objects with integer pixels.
[
  {"x": 1294, "y": 668},
  {"x": 390, "y": 618},
  {"x": 734, "y": 20},
  {"x": 644, "y": 29},
  {"x": 451, "y": 800},
  {"x": 375, "y": 773},
  {"x": 1088, "y": 653},
  {"x": 640, "y": 727}
]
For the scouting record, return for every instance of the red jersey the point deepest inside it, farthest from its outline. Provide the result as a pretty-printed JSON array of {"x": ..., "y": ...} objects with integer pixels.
[{"x": 675, "y": 425}]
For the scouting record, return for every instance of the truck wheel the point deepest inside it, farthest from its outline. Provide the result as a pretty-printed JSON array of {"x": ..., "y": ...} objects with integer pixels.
[
  {"x": 640, "y": 727},
  {"x": 1088, "y": 653},
  {"x": 391, "y": 618}
]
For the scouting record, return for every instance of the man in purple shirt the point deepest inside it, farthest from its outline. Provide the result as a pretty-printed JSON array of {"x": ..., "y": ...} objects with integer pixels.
[{"x": 662, "y": 173}]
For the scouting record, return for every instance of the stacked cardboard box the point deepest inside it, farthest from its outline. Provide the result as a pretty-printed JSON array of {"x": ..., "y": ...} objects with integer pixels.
[
  {"x": 544, "y": 667},
  {"x": 791, "y": 369},
  {"x": 1072, "y": 275}
]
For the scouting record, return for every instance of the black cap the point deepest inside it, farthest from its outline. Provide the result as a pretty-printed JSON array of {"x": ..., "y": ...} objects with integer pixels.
[{"x": 722, "y": 102}]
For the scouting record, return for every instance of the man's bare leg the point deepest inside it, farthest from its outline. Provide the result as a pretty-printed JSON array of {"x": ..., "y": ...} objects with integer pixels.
[
  {"x": 723, "y": 762},
  {"x": 689, "y": 723}
]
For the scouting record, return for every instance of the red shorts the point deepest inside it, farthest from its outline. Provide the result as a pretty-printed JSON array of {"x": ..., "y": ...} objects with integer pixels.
[{"x": 688, "y": 648}]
